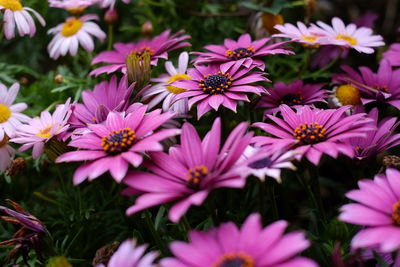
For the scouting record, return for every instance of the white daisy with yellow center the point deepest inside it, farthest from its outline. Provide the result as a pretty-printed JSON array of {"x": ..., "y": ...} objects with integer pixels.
[
  {"x": 344, "y": 95},
  {"x": 72, "y": 33}
]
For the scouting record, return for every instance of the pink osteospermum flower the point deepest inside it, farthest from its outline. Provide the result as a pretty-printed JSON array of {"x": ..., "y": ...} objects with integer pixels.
[
  {"x": 228, "y": 245},
  {"x": 164, "y": 92},
  {"x": 190, "y": 171},
  {"x": 131, "y": 255},
  {"x": 292, "y": 94},
  {"x": 215, "y": 85},
  {"x": 6, "y": 154},
  {"x": 313, "y": 132},
  {"x": 377, "y": 210},
  {"x": 17, "y": 16},
  {"x": 157, "y": 48},
  {"x": 382, "y": 86},
  {"x": 110, "y": 3},
  {"x": 360, "y": 39},
  {"x": 10, "y": 114},
  {"x": 120, "y": 141},
  {"x": 72, "y": 5},
  {"x": 301, "y": 34},
  {"x": 377, "y": 141},
  {"x": 41, "y": 129},
  {"x": 393, "y": 55},
  {"x": 72, "y": 33},
  {"x": 244, "y": 48}
]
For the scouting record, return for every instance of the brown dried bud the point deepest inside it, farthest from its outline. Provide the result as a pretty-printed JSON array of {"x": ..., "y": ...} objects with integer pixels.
[
  {"x": 270, "y": 20},
  {"x": 391, "y": 161},
  {"x": 147, "y": 28},
  {"x": 59, "y": 78},
  {"x": 104, "y": 253},
  {"x": 111, "y": 16},
  {"x": 16, "y": 167},
  {"x": 23, "y": 80}
]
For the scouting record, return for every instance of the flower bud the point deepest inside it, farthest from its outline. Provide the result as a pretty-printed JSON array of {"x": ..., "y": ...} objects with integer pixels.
[
  {"x": 147, "y": 28},
  {"x": 59, "y": 78},
  {"x": 138, "y": 69},
  {"x": 111, "y": 16}
]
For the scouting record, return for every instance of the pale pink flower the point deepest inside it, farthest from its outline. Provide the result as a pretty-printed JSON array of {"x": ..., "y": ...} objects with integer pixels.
[
  {"x": 110, "y": 3},
  {"x": 72, "y": 5},
  {"x": 6, "y": 154}
]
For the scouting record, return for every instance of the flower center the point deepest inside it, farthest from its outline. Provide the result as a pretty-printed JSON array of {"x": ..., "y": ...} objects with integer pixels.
[
  {"x": 76, "y": 10},
  {"x": 216, "y": 83},
  {"x": 174, "y": 78},
  {"x": 261, "y": 163},
  {"x": 310, "y": 133},
  {"x": 309, "y": 38},
  {"x": 348, "y": 95},
  {"x": 239, "y": 53},
  {"x": 347, "y": 38},
  {"x": 118, "y": 141},
  {"x": 5, "y": 113},
  {"x": 195, "y": 176},
  {"x": 291, "y": 99},
  {"x": 396, "y": 213},
  {"x": 4, "y": 141},
  {"x": 13, "y": 5},
  {"x": 382, "y": 88},
  {"x": 238, "y": 259},
  {"x": 71, "y": 27},
  {"x": 139, "y": 53}
]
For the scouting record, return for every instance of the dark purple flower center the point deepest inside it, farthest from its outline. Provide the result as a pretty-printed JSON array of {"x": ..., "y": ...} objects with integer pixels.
[
  {"x": 215, "y": 83},
  {"x": 118, "y": 141},
  {"x": 261, "y": 163},
  {"x": 240, "y": 52},
  {"x": 195, "y": 176},
  {"x": 291, "y": 99},
  {"x": 235, "y": 260},
  {"x": 310, "y": 133},
  {"x": 396, "y": 213}
]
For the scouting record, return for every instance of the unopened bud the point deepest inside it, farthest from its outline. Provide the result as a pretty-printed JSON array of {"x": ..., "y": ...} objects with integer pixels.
[
  {"x": 59, "y": 78},
  {"x": 111, "y": 16},
  {"x": 23, "y": 80},
  {"x": 138, "y": 69},
  {"x": 104, "y": 253},
  {"x": 147, "y": 28},
  {"x": 270, "y": 20}
]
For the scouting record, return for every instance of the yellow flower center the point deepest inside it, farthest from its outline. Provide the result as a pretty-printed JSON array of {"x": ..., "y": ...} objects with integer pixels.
[
  {"x": 196, "y": 175},
  {"x": 309, "y": 38},
  {"x": 46, "y": 132},
  {"x": 348, "y": 95},
  {"x": 5, "y": 113},
  {"x": 4, "y": 141},
  {"x": 177, "y": 77},
  {"x": 76, "y": 10},
  {"x": 235, "y": 259},
  {"x": 13, "y": 5},
  {"x": 270, "y": 20},
  {"x": 71, "y": 27},
  {"x": 310, "y": 133},
  {"x": 396, "y": 213},
  {"x": 347, "y": 38}
]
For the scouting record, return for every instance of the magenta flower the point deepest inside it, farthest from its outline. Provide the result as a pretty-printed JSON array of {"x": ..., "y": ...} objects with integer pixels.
[
  {"x": 118, "y": 142},
  {"x": 393, "y": 55},
  {"x": 377, "y": 141},
  {"x": 190, "y": 171},
  {"x": 250, "y": 246},
  {"x": 244, "y": 48},
  {"x": 377, "y": 210},
  {"x": 292, "y": 94},
  {"x": 130, "y": 255},
  {"x": 313, "y": 132},
  {"x": 383, "y": 86},
  {"x": 158, "y": 47},
  {"x": 216, "y": 85}
]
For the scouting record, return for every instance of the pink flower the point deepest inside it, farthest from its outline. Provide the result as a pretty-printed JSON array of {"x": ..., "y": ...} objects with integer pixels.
[
  {"x": 292, "y": 94},
  {"x": 119, "y": 141},
  {"x": 17, "y": 15},
  {"x": 72, "y": 4},
  {"x": 6, "y": 154},
  {"x": 72, "y": 33},
  {"x": 251, "y": 245},
  {"x": 393, "y": 55},
  {"x": 377, "y": 210},
  {"x": 158, "y": 47},
  {"x": 301, "y": 34},
  {"x": 216, "y": 85},
  {"x": 244, "y": 48},
  {"x": 41, "y": 129},
  {"x": 110, "y": 3},
  {"x": 190, "y": 171},
  {"x": 313, "y": 132},
  {"x": 130, "y": 255}
]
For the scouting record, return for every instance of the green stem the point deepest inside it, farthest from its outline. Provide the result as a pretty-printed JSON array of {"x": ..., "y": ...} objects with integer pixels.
[
  {"x": 212, "y": 210},
  {"x": 327, "y": 67},
  {"x": 154, "y": 233},
  {"x": 271, "y": 188},
  {"x": 185, "y": 226},
  {"x": 316, "y": 191},
  {"x": 2, "y": 34},
  {"x": 110, "y": 36}
]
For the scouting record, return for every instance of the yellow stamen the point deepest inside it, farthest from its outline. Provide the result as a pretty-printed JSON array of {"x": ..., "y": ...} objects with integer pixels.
[
  {"x": 396, "y": 213},
  {"x": 5, "y": 113},
  {"x": 309, "y": 38},
  {"x": 71, "y": 27},
  {"x": 13, "y": 5},
  {"x": 174, "y": 78},
  {"x": 235, "y": 259},
  {"x": 347, "y": 38},
  {"x": 46, "y": 132},
  {"x": 347, "y": 94}
]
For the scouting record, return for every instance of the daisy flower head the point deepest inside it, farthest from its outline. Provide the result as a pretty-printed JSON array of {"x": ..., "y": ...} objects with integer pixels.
[
  {"x": 164, "y": 92},
  {"x": 10, "y": 114},
  {"x": 345, "y": 95},
  {"x": 40, "y": 130},
  {"x": 131, "y": 255},
  {"x": 377, "y": 209},
  {"x": 214, "y": 85},
  {"x": 190, "y": 171},
  {"x": 73, "y": 6},
  {"x": 72, "y": 33},
  {"x": 393, "y": 55},
  {"x": 300, "y": 34},
  {"x": 251, "y": 246},
  {"x": 313, "y": 132},
  {"x": 17, "y": 16},
  {"x": 360, "y": 39},
  {"x": 6, "y": 154},
  {"x": 110, "y": 3},
  {"x": 252, "y": 52},
  {"x": 157, "y": 48},
  {"x": 118, "y": 142},
  {"x": 295, "y": 93}
]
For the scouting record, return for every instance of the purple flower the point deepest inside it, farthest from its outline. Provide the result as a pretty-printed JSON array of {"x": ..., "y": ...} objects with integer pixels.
[
  {"x": 313, "y": 132},
  {"x": 118, "y": 142},
  {"x": 190, "y": 171},
  {"x": 378, "y": 210},
  {"x": 244, "y": 48},
  {"x": 393, "y": 55},
  {"x": 377, "y": 141},
  {"x": 250, "y": 246},
  {"x": 216, "y": 85},
  {"x": 292, "y": 94},
  {"x": 383, "y": 86},
  {"x": 158, "y": 47},
  {"x": 326, "y": 54}
]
